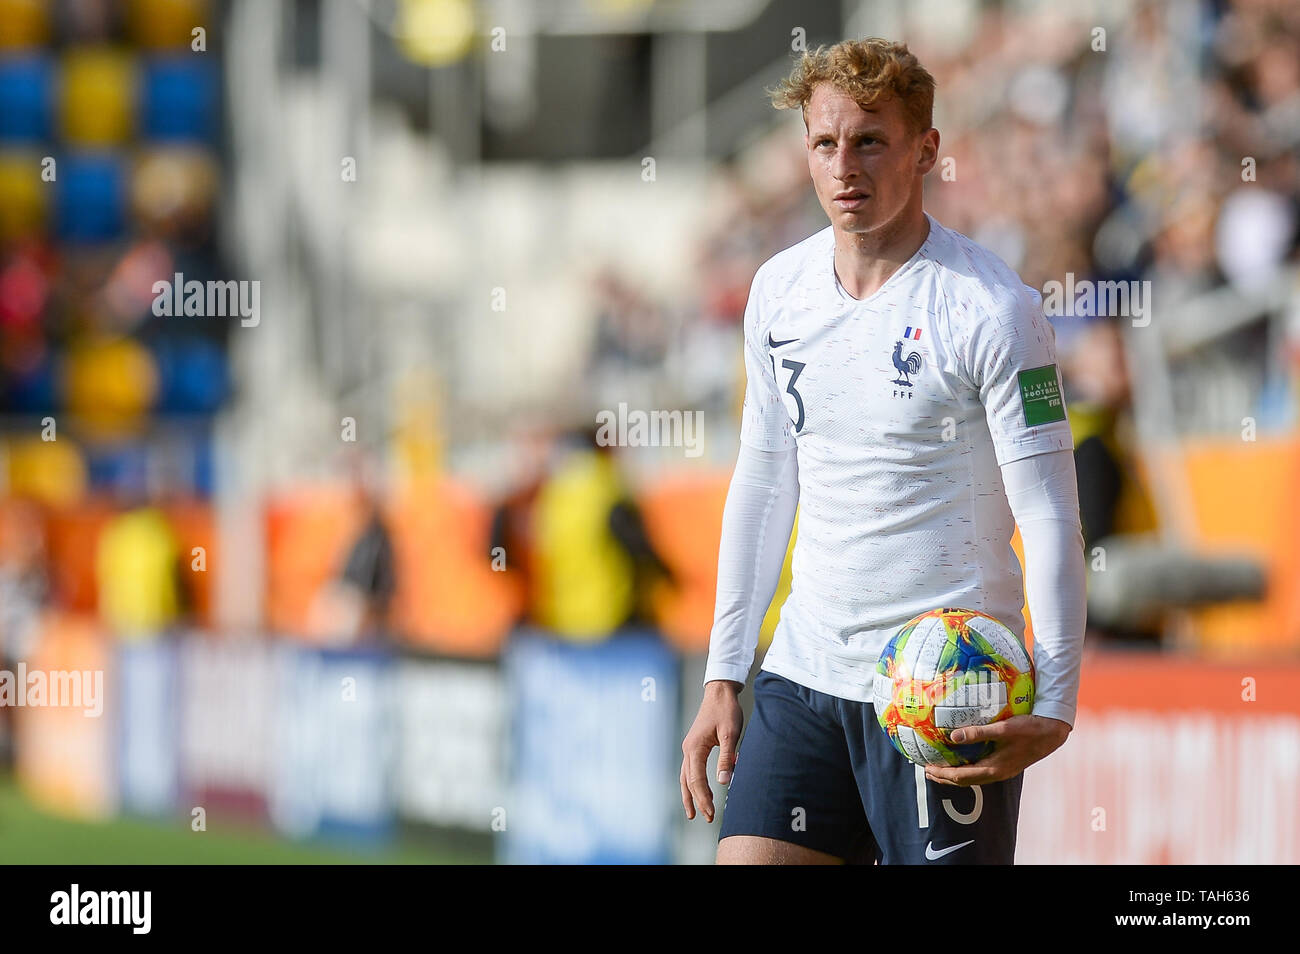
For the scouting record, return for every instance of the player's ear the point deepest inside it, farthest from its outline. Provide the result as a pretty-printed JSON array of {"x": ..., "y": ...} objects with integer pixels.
[{"x": 928, "y": 151}]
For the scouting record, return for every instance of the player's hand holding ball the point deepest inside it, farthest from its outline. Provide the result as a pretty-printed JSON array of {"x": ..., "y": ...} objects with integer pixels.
[
  {"x": 954, "y": 690},
  {"x": 1019, "y": 742}
]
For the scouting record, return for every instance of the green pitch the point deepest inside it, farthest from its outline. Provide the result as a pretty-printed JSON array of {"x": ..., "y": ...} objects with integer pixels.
[{"x": 30, "y": 836}]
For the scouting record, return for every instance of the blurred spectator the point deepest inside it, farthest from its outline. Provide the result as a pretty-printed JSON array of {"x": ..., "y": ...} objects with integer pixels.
[
  {"x": 591, "y": 551},
  {"x": 353, "y": 608},
  {"x": 24, "y": 576},
  {"x": 137, "y": 572},
  {"x": 1111, "y": 498},
  {"x": 24, "y": 591}
]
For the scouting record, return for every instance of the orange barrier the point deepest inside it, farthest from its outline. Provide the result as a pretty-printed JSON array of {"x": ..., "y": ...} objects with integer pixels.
[
  {"x": 1243, "y": 495},
  {"x": 73, "y": 541},
  {"x": 449, "y": 598},
  {"x": 307, "y": 534},
  {"x": 683, "y": 518},
  {"x": 1171, "y": 761}
]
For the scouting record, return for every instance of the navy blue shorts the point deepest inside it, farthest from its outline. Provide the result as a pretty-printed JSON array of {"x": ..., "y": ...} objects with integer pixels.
[{"x": 818, "y": 771}]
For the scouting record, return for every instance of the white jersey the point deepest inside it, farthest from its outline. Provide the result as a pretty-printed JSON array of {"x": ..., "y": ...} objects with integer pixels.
[{"x": 901, "y": 407}]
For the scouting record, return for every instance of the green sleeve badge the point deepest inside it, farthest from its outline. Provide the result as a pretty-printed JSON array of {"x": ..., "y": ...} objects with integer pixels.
[{"x": 1040, "y": 393}]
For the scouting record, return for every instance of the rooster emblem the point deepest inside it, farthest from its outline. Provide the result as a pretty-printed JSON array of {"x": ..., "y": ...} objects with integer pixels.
[{"x": 906, "y": 366}]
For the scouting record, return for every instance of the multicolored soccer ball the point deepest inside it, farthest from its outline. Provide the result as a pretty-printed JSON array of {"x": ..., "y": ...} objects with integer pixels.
[{"x": 945, "y": 669}]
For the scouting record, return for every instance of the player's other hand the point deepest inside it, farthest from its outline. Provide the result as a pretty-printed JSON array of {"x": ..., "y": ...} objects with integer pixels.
[
  {"x": 1018, "y": 742},
  {"x": 718, "y": 723}
]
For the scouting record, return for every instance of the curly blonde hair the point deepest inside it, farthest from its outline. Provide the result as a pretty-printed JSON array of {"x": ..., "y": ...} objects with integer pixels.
[{"x": 866, "y": 70}]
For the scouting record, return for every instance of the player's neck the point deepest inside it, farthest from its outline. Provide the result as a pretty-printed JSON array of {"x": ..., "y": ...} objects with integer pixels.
[{"x": 864, "y": 261}]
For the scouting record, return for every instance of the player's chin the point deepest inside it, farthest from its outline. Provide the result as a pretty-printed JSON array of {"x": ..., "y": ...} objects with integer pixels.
[{"x": 853, "y": 220}]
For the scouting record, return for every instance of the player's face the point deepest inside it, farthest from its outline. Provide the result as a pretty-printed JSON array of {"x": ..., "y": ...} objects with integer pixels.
[{"x": 866, "y": 164}]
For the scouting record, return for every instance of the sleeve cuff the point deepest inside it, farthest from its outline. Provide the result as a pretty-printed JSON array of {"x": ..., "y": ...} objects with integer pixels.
[
  {"x": 1055, "y": 710},
  {"x": 729, "y": 671}
]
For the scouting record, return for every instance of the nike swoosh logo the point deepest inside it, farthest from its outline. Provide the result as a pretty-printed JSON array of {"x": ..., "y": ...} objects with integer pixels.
[
  {"x": 932, "y": 855},
  {"x": 776, "y": 344}
]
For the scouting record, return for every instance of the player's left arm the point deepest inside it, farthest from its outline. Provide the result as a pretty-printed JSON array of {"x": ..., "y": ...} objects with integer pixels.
[
  {"x": 1044, "y": 498},
  {"x": 1013, "y": 363}
]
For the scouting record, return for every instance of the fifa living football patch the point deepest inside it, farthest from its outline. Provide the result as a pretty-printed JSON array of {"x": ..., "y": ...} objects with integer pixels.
[{"x": 1040, "y": 393}]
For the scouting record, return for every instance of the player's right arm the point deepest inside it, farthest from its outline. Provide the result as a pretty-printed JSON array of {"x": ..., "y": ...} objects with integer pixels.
[{"x": 756, "y": 523}]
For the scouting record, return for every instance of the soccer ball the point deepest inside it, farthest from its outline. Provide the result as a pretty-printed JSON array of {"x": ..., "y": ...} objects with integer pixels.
[{"x": 945, "y": 669}]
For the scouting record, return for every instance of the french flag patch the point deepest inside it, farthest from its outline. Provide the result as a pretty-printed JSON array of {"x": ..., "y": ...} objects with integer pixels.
[{"x": 912, "y": 333}]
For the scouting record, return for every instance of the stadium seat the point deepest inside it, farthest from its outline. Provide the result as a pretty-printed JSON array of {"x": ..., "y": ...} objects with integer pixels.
[
  {"x": 179, "y": 99},
  {"x": 118, "y": 467},
  {"x": 98, "y": 97},
  {"x": 32, "y": 388},
  {"x": 26, "y": 98},
  {"x": 191, "y": 375},
  {"x": 165, "y": 24},
  {"x": 91, "y": 198},
  {"x": 109, "y": 382},
  {"x": 24, "y": 198},
  {"x": 52, "y": 472},
  {"x": 24, "y": 24}
]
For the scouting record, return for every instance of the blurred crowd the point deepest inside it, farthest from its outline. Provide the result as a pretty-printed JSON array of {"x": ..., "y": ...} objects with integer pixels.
[
  {"x": 1162, "y": 147},
  {"x": 109, "y": 175},
  {"x": 1158, "y": 146}
]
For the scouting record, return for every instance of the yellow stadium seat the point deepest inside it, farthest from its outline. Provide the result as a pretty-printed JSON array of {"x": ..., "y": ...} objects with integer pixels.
[
  {"x": 99, "y": 94},
  {"x": 49, "y": 471},
  {"x": 24, "y": 24},
  {"x": 165, "y": 24},
  {"x": 24, "y": 197},
  {"x": 109, "y": 382}
]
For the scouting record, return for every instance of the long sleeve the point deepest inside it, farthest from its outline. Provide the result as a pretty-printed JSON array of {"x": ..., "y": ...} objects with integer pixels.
[
  {"x": 756, "y": 523},
  {"x": 1044, "y": 496}
]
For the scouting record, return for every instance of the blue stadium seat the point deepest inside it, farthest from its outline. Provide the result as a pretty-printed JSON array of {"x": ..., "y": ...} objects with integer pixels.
[
  {"x": 26, "y": 98},
  {"x": 179, "y": 99},
  {"x": 91, "y": 197},
  {"x": 192, "y": 375}
]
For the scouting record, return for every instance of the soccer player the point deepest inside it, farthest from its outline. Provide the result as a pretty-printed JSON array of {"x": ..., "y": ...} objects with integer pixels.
[{"x": 903, "y": 391}]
